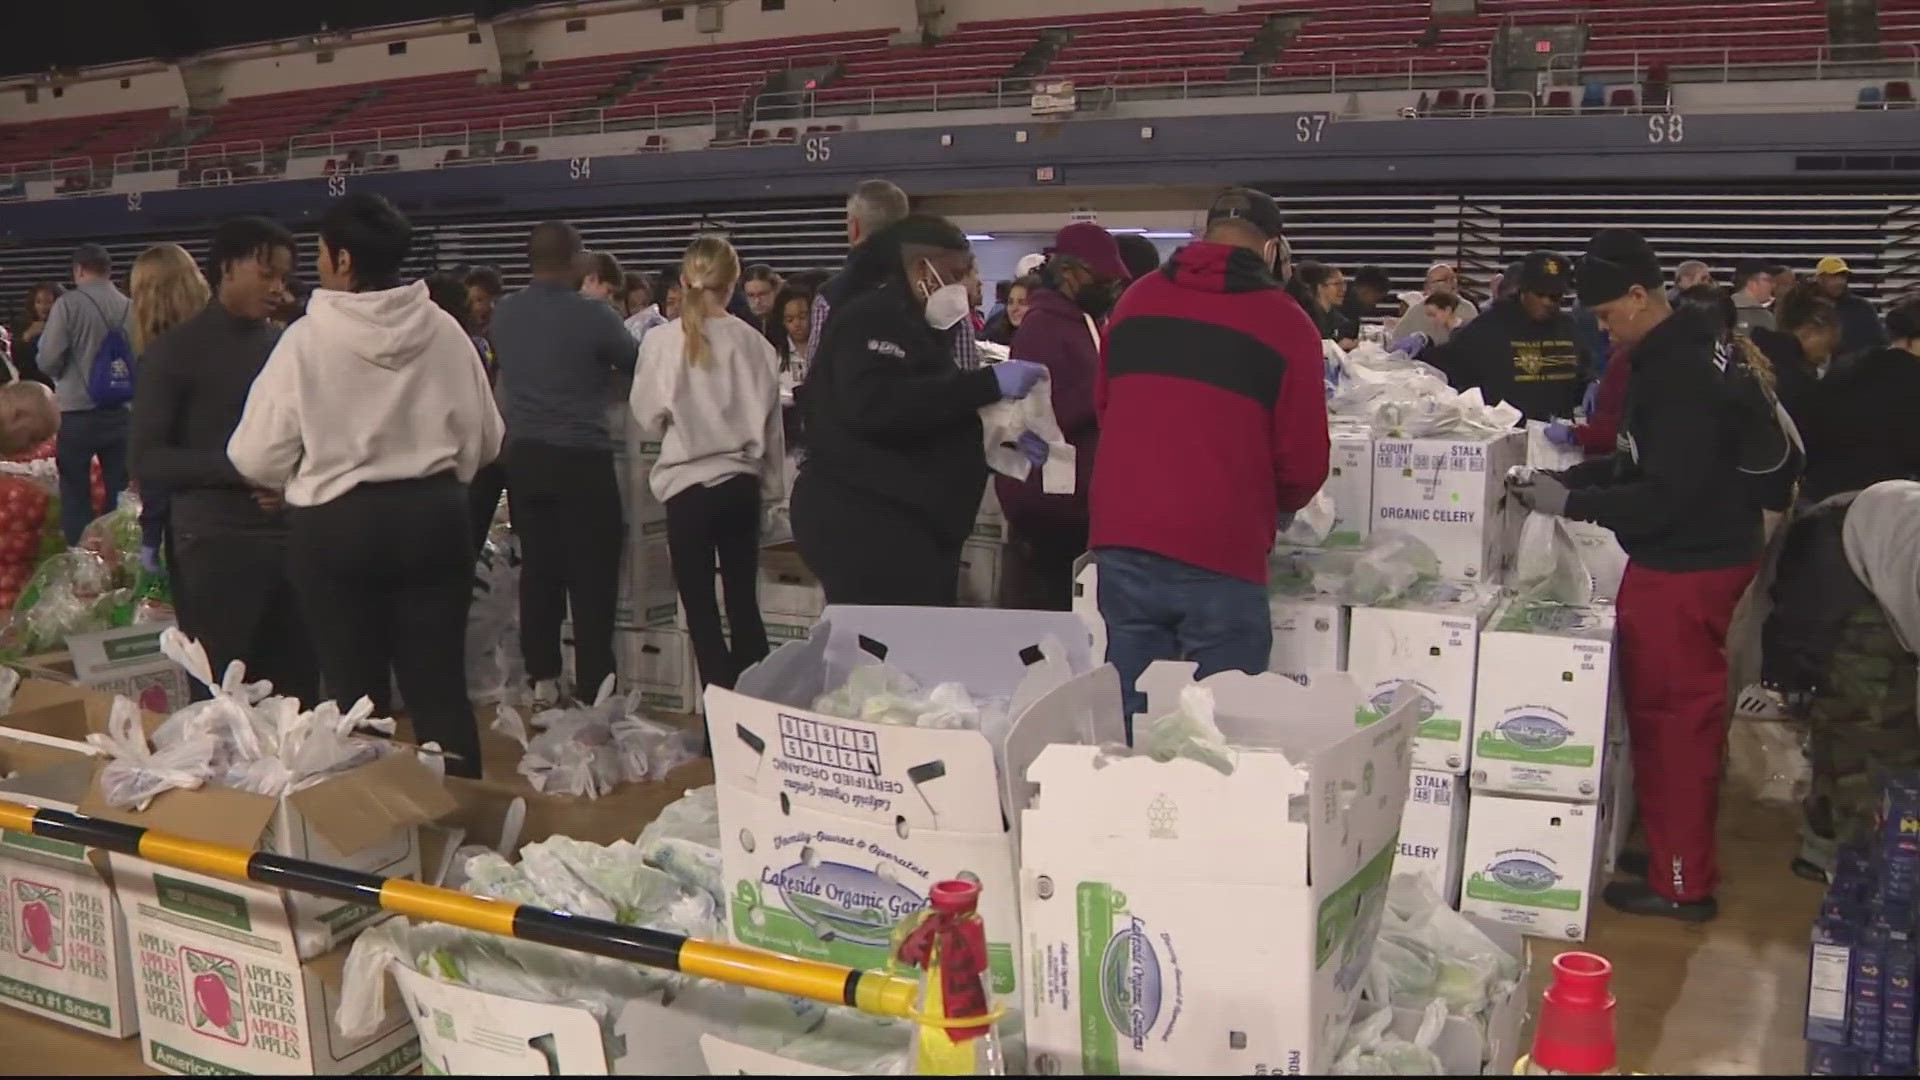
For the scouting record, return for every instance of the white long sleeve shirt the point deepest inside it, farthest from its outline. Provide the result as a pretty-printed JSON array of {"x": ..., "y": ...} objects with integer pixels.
[
  {"x": 368, "y": 387},
  {"x": 714, "y": 421}
]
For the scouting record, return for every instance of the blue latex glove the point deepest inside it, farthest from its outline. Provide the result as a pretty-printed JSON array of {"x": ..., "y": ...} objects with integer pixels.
[
  {"x": 1413, "y": 344},
  {"x": 150, "y": 559},
  {"x": 1017, "y": 378},
  {"x": 1560, "y": 434},
  {"x": 1034, "y": 447},
  {"x": 1592, "y": 399}
]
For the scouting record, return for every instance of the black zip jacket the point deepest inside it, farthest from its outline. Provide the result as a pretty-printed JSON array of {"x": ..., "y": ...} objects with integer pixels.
[
  {"x": 1671, "y": 493},
  {"x": 1538, "y": 368},
  {"x": 890, "y": 419},
  {"x": 191, "y": 391},
  {"x": 1814, "y": 593},
  {"x": 1861, "y": 424}
]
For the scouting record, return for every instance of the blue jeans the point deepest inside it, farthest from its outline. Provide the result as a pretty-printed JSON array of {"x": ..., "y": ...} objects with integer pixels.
[
  {"x": 100, "y": 433},
  {"x": 1158, "y": 608}
]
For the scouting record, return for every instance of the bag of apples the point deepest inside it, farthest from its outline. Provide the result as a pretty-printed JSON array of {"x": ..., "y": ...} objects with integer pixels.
[{"x": 24, "y": 539}]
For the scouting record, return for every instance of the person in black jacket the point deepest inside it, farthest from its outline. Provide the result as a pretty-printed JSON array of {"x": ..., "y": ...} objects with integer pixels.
[
  {"x": 1858, "y": 423},
  {"x": 228, "y": 542},
  {"x": 1321, "y": 289},
  {"x": 1861, "y": 330},
  {"x": 1672, "y": 495},
  {"x": 1832, "y": 653},
  {"x": 1524, "y": 351},
  {"x": 1803, "y": 346},
  {"x": 896, "y": 463}
]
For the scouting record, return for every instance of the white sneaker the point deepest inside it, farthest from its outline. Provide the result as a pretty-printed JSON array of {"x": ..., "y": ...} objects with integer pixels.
[{"x": 1757, "y": 702}]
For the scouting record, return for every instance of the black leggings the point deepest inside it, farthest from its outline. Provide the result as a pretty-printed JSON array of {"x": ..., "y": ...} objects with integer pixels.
[
  {"x": 566, "y": 511},
  {"x": 868, "y": 552},
  {"x": 723, "y": 521},
  {"x": 484, "y": 494},
  {"x": 385, "y": 575}
]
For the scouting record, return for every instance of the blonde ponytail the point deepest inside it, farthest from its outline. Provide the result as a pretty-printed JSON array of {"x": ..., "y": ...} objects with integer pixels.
[{"x": 707, "y": 275}]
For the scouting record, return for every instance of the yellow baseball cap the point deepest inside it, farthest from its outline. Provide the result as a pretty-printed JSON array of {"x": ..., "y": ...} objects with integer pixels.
[{"x": 1832, "y": 264}]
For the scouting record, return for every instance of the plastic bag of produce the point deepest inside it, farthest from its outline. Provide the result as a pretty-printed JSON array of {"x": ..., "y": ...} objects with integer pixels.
[
  {"x": 1393, "y": 563},
  {"x": 68, "y": 594},
  {"x": 115, "y": 537},
  {"x": 135, "y": 772},
  {"x": 1190, "y": 732}
]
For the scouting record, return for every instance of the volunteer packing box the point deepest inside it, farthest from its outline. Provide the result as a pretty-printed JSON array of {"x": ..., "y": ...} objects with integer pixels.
[
  {"x": 1534, "y": 863},
  {"x": 1449, "y": 493},
  {"x": 1178, "y": 920},
  {"x": 363, "y": 819},
  {"x": 1433, "y": 831},
  {"x": 1427, "y": 640},
  {"x": 834, "y": 829},
  {"x": 1350, "y": 483},
  {"x": 1540, "y": 711},
  {"x": 63, "y": 939},
  {"x": 658, "y": 662}
]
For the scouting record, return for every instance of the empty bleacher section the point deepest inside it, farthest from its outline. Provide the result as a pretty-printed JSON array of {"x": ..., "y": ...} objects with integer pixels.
[
  {"x": 1349, "y": 39},
  {"x": 1639, "y": 35},
  {"x": 75, "y": 146}
]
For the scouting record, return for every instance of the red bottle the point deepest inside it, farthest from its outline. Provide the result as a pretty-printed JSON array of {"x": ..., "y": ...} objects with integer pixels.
[{"x": 1575, "y": 1034}]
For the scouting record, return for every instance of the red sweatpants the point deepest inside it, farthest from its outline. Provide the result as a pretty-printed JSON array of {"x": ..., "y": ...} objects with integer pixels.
[{"x": 1673, "y": 664}]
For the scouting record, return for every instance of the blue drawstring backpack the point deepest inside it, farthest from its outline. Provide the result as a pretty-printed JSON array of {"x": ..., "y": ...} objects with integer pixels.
[{"x": 110, "y": 379}]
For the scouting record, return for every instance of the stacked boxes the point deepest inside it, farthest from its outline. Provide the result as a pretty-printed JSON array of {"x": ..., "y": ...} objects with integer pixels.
[
  {"x": 1350, "y": 483},
  {"x": 1309, "y": 623},
  {"x": 1427, "y": 641},
  {"x": 1861, "y": 995},
  {"x": 1548, "y": 774},
  {"x": 1433, "y": 831}
]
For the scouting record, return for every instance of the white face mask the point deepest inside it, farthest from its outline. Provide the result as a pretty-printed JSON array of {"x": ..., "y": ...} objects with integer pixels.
[{"x": 946, "y": 305}]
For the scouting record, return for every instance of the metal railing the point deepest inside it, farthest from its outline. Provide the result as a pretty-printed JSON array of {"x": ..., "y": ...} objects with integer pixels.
[
  {"x": 1678, "y": 59},
  {"x": 47, "y": 169},
  {"x": 517, "y": 126},
  {"x": 169, "y": 158}
]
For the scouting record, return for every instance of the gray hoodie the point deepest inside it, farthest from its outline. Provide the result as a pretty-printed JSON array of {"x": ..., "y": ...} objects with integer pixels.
[{"x": 77, "y": 325}]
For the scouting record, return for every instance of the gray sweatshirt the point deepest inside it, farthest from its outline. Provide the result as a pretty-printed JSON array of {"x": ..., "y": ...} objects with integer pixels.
[
  {"x": 560, "y": 355},
  {"x": 715, "y": 420},
  {"x": 75, "y": 328}
]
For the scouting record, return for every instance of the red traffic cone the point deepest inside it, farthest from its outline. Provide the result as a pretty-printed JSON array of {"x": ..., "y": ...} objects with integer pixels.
[{"x": 1575, "y": 1034}]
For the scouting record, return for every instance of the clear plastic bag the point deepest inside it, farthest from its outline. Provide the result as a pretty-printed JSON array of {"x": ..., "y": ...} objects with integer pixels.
[
  {"x": 70, "y": 593},
  {"x": 1190, "y": 732},
  {"x": 879, "y": 693},
  {"x": 135, "y": 773},
  {"x": 589, "y": 751},
  {"x": 1373, "y": 1049},
  {"x": 1392, "y": 564},
  {"x": 115, "y": 537}
]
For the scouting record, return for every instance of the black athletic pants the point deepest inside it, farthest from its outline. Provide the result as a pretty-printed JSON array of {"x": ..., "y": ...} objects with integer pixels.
[
  {"x": 385, "y": 575},
  {"x": 231, "y": 593},
  {"x": 868, "y": 552},
  {"x": 566, "y": 511},
  {"x": 723, "y": 521}
]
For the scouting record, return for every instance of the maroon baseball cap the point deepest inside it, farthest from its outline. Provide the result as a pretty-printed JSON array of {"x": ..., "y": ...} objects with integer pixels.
[{"x": 1093, "y": 246}]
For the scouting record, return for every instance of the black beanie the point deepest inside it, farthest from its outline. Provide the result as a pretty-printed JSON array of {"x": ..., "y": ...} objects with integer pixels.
[{"x": 1616, "y": 261}]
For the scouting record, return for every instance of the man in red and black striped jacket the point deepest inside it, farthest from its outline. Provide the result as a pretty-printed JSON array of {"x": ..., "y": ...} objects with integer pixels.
[{"x": 1213, "y": 428}]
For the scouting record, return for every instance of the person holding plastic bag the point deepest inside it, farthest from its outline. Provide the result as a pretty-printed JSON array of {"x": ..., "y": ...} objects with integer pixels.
[
  {"x": 1834, "y": 651},
  {"x": 1675, "y": 498},
  {"x": 227, "y": 544},
  {"x": 373, "y": 414},
  {"x": 707, "y": 389},
  {"x": 1060, "y": 330},
  {"x": 896, "y": 461},
  {"x": 1213, "y": 428}
]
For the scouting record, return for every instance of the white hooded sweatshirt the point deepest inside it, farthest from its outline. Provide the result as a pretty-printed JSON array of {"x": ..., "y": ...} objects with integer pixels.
[{"x": 368, "y": 387}]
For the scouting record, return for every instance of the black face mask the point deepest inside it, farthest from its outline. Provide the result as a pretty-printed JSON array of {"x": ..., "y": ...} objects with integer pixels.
[{"x": 1095, "y": 299}]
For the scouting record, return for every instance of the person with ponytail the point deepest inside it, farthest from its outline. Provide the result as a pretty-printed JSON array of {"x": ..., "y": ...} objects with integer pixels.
[
  {"x": 167, "y": 289},
  {"x": 896, "y": 463},
  {"x": 708, "y": 390}
]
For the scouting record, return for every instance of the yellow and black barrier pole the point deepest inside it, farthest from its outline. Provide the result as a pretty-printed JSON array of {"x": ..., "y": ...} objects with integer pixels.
[{"x": 869, "y": 991}]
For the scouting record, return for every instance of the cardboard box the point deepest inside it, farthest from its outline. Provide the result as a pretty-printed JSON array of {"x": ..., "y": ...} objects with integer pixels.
[
  {"x": 1448, "y": 492},
  {"x": 1350, "y": 483},
  {"x": 834, "y": 829},
  {"x": 468, "y": 1032},
  {"x": 1309, "y": 636},
  {"x": 1086, "y": 604},
  {"x": 125, "y": 661},
  {"x": 363, "y": 819},
  {"x": 1433, "y": 831},
  {"x": 981, "y": 564},
  {"x": 647, "y": 596},
  {"x": 1534, "y": 863},
  {"x": 659, "y": 664},
  {"x": 1128, "y": 865},
  {"x": 63, "y": 938},
  {"x": 1427, "y": 640},
  {"x": 1540, "y": 711},
  {"x": 221, "y": 990}
]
